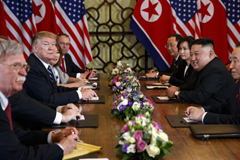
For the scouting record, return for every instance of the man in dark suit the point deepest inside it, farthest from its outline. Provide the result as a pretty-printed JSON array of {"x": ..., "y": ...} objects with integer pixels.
[
  {"x": 171, "y": 46},
  {"x": 40, "y": 83},
  {"x": 68, "y": 65},
  {"x": 14, "y": 142},
  {"x": 229, "y": 111},
  {"x": 30, "y": 114},
  {"x": 212, "y": 84}
]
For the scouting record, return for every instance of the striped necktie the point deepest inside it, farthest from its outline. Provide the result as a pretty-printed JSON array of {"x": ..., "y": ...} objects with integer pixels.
[{"x": 50, "y": 73}]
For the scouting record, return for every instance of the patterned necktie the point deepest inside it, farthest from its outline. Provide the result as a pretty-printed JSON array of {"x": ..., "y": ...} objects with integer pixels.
[
  {"x": 63, "y": 65},
  {"x": 50, "y": 73},
  {"x": 8, "y": 111}
]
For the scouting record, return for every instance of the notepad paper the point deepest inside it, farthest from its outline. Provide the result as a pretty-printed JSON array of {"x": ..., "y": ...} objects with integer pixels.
[
  {"x": 152, "y": 87},
  {"x": 160, "y": 84},
  {"x": 82, "y": 149},
  {"x": 80, "y": 119},
  {"x": 95, "y": 99},
  {"x": 94, "y": 78},
  {"x": 163, "y": 98},
  {"x": 186, "y": 119}
]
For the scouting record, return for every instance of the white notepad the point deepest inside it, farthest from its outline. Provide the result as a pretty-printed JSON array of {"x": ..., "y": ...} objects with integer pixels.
[
  {"x": 186, "y": 119},
  {"x": 163, "y": 97},
  {"x": 161, "y": 87}
]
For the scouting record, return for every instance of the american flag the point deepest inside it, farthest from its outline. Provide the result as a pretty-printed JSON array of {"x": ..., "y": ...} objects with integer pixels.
[
  {"x": 185, "y": 17},
  {"x": 72, "y": 20},
  {"x": 20, "y": 22},
  {"x": 233, "y": 22}
]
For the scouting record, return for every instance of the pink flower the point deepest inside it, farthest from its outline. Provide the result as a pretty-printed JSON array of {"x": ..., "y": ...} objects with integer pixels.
[
  {"x": 137, "y": 135},
  {"x": 114, "y": 105},
  {"x": 141, "y": 146},
  {"x": 157, "y": 126},
  {"x": 133, "y": 122},
  {"x": 140, "y": 116},
  {"x": 115, "y": 79},
  {"x": 125, "y": 128}
]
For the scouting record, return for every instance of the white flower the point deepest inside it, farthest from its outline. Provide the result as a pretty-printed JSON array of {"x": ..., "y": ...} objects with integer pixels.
[
  {"x": 129, "y": 89},
  {"x": 136, "y": 106},
  {"x": 131, "y": 140},
  {"x": 121, "y": 142},
  {"x": 152, "y": 150},
  {"x": 118, "y": 84},
  {"x": 131, "y": 148},
  {"x": 145, "y": 104},
  {"x": 163, "y": 136},
  {"x": 115, "y": 71},
  {"x": 126, "y": 136},
  {"x": 154, "y": 136},
  {"x": 119, "y": 63},
  {"x": 125, "y": 102}
]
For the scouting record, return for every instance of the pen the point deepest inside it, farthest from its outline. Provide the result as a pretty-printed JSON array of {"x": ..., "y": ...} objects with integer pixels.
[
  {"x": 78, "y": 140},
  {"x": 187, "y": 113}
]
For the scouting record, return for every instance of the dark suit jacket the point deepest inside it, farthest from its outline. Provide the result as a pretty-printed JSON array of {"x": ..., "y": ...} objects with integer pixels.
[
  {"x": 25, "y": 145},
  {"x": 39, "y": 86},
  {"x": 178, "y": 78},
  {"x": 29, "y": 113},
  {"x": 212, "y": 85},
  {"x": 170, "y": 71},
  {"x": 72, "y": 68},
  {"x": 227, "y": 113}
]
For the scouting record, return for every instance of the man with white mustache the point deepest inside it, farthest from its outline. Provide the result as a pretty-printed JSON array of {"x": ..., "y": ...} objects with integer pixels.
[
  {"x": 229, "y": 111},
  {"x": 14, "y": 142},
  {"x": 212, "y": 84}
]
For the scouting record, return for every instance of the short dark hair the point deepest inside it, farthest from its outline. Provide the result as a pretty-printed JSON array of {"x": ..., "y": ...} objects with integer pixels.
[
  {"x": 238, "y": 44},
  {"x": 177, "y": 36},
  {"x": 62, "y": 34},
  {"x": 204, "y": 42},
  {"x": 188, "y": 39}
]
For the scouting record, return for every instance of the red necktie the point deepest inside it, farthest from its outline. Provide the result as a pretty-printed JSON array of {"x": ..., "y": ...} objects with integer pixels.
[
  {"x": 63, "y": 66},
  {"x": 8, "y": 111}
]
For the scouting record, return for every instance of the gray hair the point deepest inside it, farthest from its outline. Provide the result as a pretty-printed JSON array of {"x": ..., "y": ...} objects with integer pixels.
[{"x": 10, "y": 48}]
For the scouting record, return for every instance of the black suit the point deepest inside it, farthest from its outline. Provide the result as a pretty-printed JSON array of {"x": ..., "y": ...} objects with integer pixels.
[
  {"x": 227, "y": 113},
  {"x": 178, "y": 78},
  {"x": 212, "y": 85},
  {"x": 71, "y": 68},
  {"x": 29, "y": 113},
  {"x": 173, "y": 68},
  {"x": 39, "y": 86},
  {"x": 25, "y": 145}
]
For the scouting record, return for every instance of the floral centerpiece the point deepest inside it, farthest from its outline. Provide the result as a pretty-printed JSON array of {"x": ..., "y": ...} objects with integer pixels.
[
  {"x": 143, "y": 139},
  {"x": 131, "y": 103},
  {"x": 120, "y": 69},
  {"x": 125, "y": 82}
]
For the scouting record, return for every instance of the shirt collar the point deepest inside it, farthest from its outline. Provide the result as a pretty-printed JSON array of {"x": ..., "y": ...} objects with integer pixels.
[
  {"x": 3, "y": 101},
  {"x": 177, "y": 58},
  {"x": 44, "y": 63}
]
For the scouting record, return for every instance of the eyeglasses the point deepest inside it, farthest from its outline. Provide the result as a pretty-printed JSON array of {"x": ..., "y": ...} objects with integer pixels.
[
  {"x": 62, "y": 44},
  {"x": 170, "y": 45},
  {"x": 18, "y": 67}
]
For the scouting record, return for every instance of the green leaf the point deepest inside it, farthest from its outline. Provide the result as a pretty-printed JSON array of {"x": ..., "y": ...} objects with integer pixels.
[
  {"x": 114, "y": 112},
  {"x": 126, "y": 156},
  {"x": 146, "y": 137},
  {"x": 119, "y": 150},
  {"x": 167, "y": 145},
  {"x": 159, "y": 142},
  {"x": 166, "y": 151}
]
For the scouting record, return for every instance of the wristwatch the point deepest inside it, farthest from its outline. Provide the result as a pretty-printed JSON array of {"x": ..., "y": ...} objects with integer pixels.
[
  {"x": 157, "y": 75},
  {"x": 176, "y": 94}
]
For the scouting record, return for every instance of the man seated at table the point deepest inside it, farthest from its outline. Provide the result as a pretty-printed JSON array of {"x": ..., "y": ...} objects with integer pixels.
[
  {"x": 212, "y": 84},
  {"x": 40, "y": 83},
  {"x": 14, "y": 142},
  {"x": 229, "y": 111},
  {"x": 171, "y": 46},
  {"x": 29, "y": 113},
  {"x": 68, "y": 65}
]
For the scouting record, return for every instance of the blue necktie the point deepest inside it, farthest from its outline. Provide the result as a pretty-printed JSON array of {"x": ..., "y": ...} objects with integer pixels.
[{"x": 50, "y": 73}]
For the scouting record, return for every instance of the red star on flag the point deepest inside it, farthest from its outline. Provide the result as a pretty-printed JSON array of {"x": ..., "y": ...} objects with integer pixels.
[
  {"x": 151, "y": 9},
  {"x": 204, "y": 10},
  {"x": 37, "y": 9}
]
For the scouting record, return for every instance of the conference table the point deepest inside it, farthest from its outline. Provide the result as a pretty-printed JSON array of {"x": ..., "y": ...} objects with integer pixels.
[{"x": 185, "y": 147}]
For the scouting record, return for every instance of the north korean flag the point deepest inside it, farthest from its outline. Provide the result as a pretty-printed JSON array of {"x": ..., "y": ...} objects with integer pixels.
[
  {"x": 44, "y": 15},
  {"x": 152, "y": 24}
]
